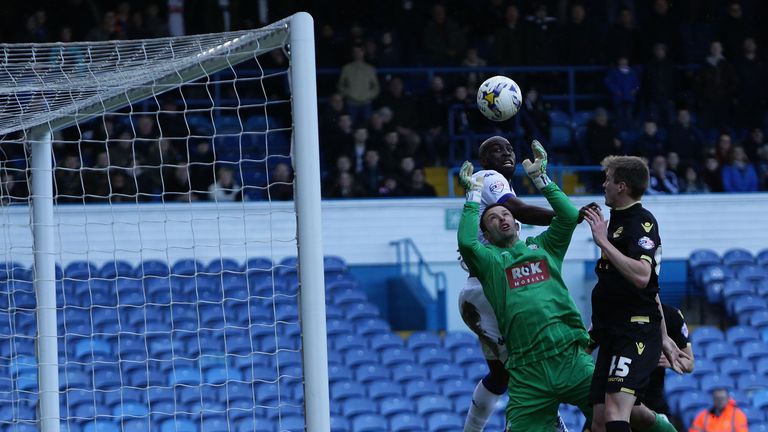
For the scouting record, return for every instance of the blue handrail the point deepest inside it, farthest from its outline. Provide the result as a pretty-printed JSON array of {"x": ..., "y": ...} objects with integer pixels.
[
  {"x": 403, "y": 249},
  {"x": 555, "y": 171}
]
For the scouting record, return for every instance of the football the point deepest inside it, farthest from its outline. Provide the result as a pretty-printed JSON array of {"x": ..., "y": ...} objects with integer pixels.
[{"x": 499, "y": 98}]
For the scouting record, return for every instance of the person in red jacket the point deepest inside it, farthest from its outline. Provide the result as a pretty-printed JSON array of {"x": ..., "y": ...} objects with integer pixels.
[{"x": 723, "y": 416}]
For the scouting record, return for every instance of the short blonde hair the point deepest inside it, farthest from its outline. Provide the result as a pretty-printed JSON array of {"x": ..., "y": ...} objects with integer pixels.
[{"x": 631, "y": 170}]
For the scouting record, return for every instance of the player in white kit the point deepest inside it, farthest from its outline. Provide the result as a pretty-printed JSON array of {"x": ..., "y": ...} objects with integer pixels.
[{"x": 497, "y": 159}]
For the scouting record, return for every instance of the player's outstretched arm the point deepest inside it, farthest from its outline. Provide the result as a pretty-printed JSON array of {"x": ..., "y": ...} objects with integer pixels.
[
  {"x": 557, "y": 237},
  {"x": 472, "y": 251},
  {"x": 529, "y": 214}
]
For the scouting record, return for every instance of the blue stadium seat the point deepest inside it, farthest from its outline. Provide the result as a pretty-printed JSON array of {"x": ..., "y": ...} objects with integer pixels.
[
  {"x": 351, "y": 408},
  {"x": 333, "y": 311},
  {"x": 81, "y": 270},
  {"x": 737, "y": 257},
  {"x": 369, "y": 423},
  {"x": 712, "y": 382},
  {"x": 445, "y": 422},
  {"x": 340, "y": 424},
  {"x": 560, "y": 118},
  {"x": 475, "y": 371},
  {"x": 333, "y": 264},
  {"x": 714, "y": 273},
  {"x": 185, "y": 376},
  {"x": 368, "y": 373},
  {"x": 582, "y": 118},
  {"x": 744, "y": 306},
  {"x": 735, "y": 367},
  {"x": 754, "y": 351},
  {"x": 704, "y": 366},
  {"x": 392, "y": 357},
  {"x": 759, "y": 319},
  {"x": 406, "y": 422},
  {"x": 187, "y": 267},
  {"x": 422, "y": 339},
  {"x": 7, "y": 269},
  {"x": 348, "y": 296},
  {"x": 752, "y": 273},
  {"x": 347, "y": 389},
  {"x": 372, "y": 326},
  {"x": 382, "y": 391},
  {"x": 223, "y": 265},
  {"x": 559, "y": 136},
  {"x": 754, "y": 415},
  {"x": 152, "y": 268},
  {"x": 361, "y": 310},
  {"x": 258, "y": 265},
  {"x": 694, "y": 401},
  {"x": 736, "y": 288},
  {"x": 703, "y": 257},
  {"x": 751, "y": 382},
  {"x": 89, "y": 350},
  {"x": 739, "y": 334},
  {"x": 106, "y": 426},
  {"x": 417, "y": 388},
  {"x": 467, "y": 355},
  {"x": 287, "y": 266},
  {"x": 456, "y": 339},
  {"x": 382, "y": 341},
  {"x": 457, "y": 387},
  {"x": 430, "y": 356},
  {"x": 706, "y": 334},
  {"x": 762, "y": 258},
  {"x": 432, "y": 404},
  {"x": 359, "y": 357},
  {"x": 345, "y": 342},
  {"x": 445, "y": 372},
  {"x": 113, "y": 269},
  {"x": 396, "y": 405}
]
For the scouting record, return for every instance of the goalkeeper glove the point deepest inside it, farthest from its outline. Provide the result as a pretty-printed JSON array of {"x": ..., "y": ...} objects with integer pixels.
[
  {"x": 537, "y": 170},
  {"x": 473, "y": 187}
]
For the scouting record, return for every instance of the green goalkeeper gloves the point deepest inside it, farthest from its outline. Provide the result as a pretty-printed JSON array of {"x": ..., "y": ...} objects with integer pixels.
[
  {"x": 474, "y": 188},
  {"x": 537, "y": 170}
]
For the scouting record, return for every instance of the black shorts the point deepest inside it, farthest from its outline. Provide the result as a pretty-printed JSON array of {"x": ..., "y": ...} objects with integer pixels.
[
  {"x": 654, "y": 393},
  {"x": 627, "y": 356}
]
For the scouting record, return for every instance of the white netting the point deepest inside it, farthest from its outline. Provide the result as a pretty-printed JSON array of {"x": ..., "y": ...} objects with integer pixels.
[{"x": 177, "y": 307}]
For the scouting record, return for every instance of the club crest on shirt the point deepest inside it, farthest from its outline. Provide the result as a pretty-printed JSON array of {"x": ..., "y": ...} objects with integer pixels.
[
  {"x": 527, "y": 274},
  {"x": 684, "y": 330},
  {"x": 646, "y": 243},
  {"x": 618, "y": 232},
  {"x": 497, "y": 186},
  {"x": 647, "y": 226}
]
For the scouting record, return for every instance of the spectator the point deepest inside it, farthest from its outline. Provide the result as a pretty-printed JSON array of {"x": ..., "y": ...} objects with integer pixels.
[
  {"x": 372, "y": 175},
  {"x": 724, "y": 148},
  {"x": 649, "y": 144},
  {"x": 281, "y": 183},
  {"x": 659, "y": 85},
  {"x": 225, "y": 188},
  {"x": 508, "y": 42},
  {"x": 739, "y": 175},
  {"x": 723, "y": 416},
  {"x": 622, "y": 38},
  {"x": 329, "y": 46},
  {"x": 762, "y": 167},
  {"x": 716, "y": 87},
  {"x": 13, "y": 187},
  {"x": 751, "y": 72},
  {"x": 691, "y": 183},
  {"x": 329, "y": 116},
  {"x": 755, "y": 140},
  {"x": 389, "y": 53},
  {"x": 686, "y": 139},
  {"x": 96, "y": 179},
  {"x": 345, "y": 187},
  {"x": 623, "y": 85},
  {"x": 600, "y": 139},
  {"x": 390, "y": 152},
  {"x": 121, "y": 153},
  {"x": 579, "y": 39},
  {"x": 340, "y": 140},
  {"x": 69, "y": 186},
  {"x": 123, "y": 187},
  {"x": 359, "y": 85},
  {"x": 154, "y": 26},
  {"x": 418, "y": 186},
  {"x": 713, "y": 174},
  {"x": 673, "y": 163},
  {"x": 473, "y": 60},
  {"x": 404, "y": 108},
  {"x": 390, "y": 188},
  {"x": 105, "y": 30},
  {"x": 443, "y": 40},
  {"x": 201, "y": 166},
  {"x": 434, "y": 113},
  {"x": 376, "y": 129},
  {"x": 535, "y": 119},
  {"x": 359, "y": 149},
  {"x": 541, "y": 37},
  {"x": 734, "y": 28},
  {"x": 665, "y": 29},
  {"x": 407, "y": 167},
  {"x": 662, "y": 181}
]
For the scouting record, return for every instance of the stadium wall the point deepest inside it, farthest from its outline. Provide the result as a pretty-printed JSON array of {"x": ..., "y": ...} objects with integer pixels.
[{"x": 360, "y": 231}]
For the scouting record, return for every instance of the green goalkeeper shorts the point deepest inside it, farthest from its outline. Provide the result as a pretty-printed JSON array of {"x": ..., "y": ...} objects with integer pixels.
[{"x": 536, "y": 390}]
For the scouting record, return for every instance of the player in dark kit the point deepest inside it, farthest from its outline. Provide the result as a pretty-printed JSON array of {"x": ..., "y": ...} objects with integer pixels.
[{"x": 627, "y": 322}]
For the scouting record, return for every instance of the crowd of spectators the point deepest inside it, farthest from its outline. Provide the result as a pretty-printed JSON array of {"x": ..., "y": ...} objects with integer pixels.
[{"x": 679, "y": 82}]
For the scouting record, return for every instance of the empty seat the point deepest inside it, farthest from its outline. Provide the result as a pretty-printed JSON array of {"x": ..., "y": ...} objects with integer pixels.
[
  {"x": 432, "y": 356},
  {"x": 456, "y": 339},
  {"x": 712, "y": 382},
  {"x": 369, "y": 423},
  {"x": 406, "y": 422},
  {"x": 358, "y": 357},
  {"x": 381, "y": 391},
  {"x": 740, "y": 334},
  {"x": 467, "y": 355},
  {"x": 361, "y": 310},
  {"x": 346, "y": 390},
  {"x": 445, "y": 422},
  {"x": 703, "y": 257},
  {"x": 116, "y": 268},
  {"x": 368, "y": 373},
  {"x": 419, "y": 387},
  {"x": 737, "y": 257},
  {"x": 751, "y": 382},
  {"x": 392, "y": 357},
  {"x": 382, "y": 341},
  {"x": 81, "y": 270},
  {"x": 372, "y": 326},
  {"x": 456, "y": 387},
  {"x": 422, "y": 339},
  {"x": 355, "y": 407},
  {"x": 444, "y": 372},
  {"x": 152, "y": 268},
  {"x": 735, "y": 367},
  {"x": 432, "y": 404},
  {"x": 754, "y": 350},
  {"x": 762, "y": 258},
  {"x": 706, "y": 334}
]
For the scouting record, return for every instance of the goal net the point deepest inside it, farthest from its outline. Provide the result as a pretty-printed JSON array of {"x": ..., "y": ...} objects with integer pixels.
[{"x": 155, "y": 194}]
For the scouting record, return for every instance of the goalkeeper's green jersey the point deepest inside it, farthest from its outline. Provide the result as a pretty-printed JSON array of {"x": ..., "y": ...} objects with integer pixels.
[{"x": 524, "y": 284}]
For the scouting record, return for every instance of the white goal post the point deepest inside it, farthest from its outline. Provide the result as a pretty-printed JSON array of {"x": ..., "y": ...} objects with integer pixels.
[{"x": 45, "y": 88}]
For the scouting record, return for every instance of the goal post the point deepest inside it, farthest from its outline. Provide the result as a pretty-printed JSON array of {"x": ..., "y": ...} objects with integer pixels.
[{"x": 49, "y": 88}]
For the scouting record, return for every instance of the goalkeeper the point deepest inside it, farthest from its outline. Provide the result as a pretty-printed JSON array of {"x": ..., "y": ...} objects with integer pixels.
[{"x": 522, "y": 280}]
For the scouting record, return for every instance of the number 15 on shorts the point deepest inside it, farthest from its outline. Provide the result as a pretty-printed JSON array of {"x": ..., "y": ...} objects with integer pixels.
[{"x": 619, "y": 366}]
